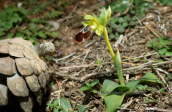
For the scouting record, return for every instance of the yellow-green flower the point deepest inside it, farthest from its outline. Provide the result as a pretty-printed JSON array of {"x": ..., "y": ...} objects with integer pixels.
[{"x": 98, "y": 24}]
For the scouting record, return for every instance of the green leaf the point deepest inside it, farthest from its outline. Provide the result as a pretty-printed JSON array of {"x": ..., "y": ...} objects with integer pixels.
[
  {"x": 27, "y": 32},
  {"x": 33, "y": 27},
  {"x": 53, "y": 13},
  {"x": 55, "y": 102},
  {"x": 94, "y": 91},
  {"x": 108, "y": 14},
  {"x": 81, "y": 108},
  {"x": 84, "y": 88},
  {"x": 161, "y": 45},
  {"x": 98, "y": 62},
  {"x": 94, "y": 82},
  {"x": 132, "y": 23},
  {"x": 89, "y": 17},
  {"x": 120, "y": 20},
  {"x": 88, "y": 85},
  {"x": 15, "y": 18},
  {"x": 162, "y": 90},
  {"x": 127, "y": 17},
  {"x": 149, "y": 77},
  {"x": 121, "y": 29},
  {"x": 113, "y": 101},
  {"x": 65, "y": 103},
  {"x": 1, "y": 32},
  {"x": 134, "y": 18},
  {"x": 50, "y": 105},
  {"x": 3, "y": 16},
  {"x": 8, "y": 25},
  {"x": 125, "y": 24},
  {"x": 55, "y": 110},
  {"x": 42, "y": 34},
  {"x": 23, "y": 11},
  {"x": 35, "y": 20},
  {"x": 19, "y": 34},
  {"x": 103, "y": 18},
  {"x": 96, "y": 18},
  {"x": 32, "y": 39},
  {"x": 86, "y": 23},
  {"x": 114, "y": 26},
  {"x": 108, "y": 87},
  {"x": 112, "y": 36},
  {"x": 121, "y": 88},
  {"x": 132, "y": 84},
  {"x": 9, "y": 36},
  {"x": 160, "y": 61},
  {"x": 52, "y": 34},
  {"x": 168, "y": 53},
  {"x": 118, "y": 66},
  {"x": 114, "y": 20},
  {"x": 52, "y": 83}
]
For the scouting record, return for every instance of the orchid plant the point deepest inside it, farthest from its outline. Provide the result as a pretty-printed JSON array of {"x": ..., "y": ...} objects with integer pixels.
[
  {"x": 99, "y": 26},
  {"x": 110, "y": 89}
]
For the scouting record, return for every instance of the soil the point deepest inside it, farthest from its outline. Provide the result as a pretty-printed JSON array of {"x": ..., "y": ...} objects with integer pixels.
[{"x": 67, "y": 73}]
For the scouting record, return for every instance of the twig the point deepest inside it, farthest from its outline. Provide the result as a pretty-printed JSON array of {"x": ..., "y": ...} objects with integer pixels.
[
  {"x": 49, "y": 102},
  {"x": 91, "y": 65},
  {"x": 157, "y": 109},
  {"x": 147, "y": 65},
  {"x": 149, "y": 96},
  {"x": 141, "y": 67},
  {"x": 90, "y": 44},
  {"x": 56, "y": 92},
  {"x": 75, "y": 57},
  {"x": 133, "y": 32},
  {"x": 61, "y": 20},
  {"x": 56, "y": 60},
  {"x": 129, "y": 7},
  {"x": 74, "y": 106},
  {"x": 163, "y": 80},
  {"x": 156, "y": 33},
  {"x": 85, "y": 56},
  {"x": 162, "y": 70},
  {"x": 77, "y": 74},
  {"x": 98, "y": 101}
]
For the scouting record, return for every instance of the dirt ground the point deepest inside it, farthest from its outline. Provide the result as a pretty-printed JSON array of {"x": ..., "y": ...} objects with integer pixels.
[{"x": 76, "y": 62}]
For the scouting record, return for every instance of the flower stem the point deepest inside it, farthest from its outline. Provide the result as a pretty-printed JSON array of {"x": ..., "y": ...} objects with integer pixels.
[{"x": 116, "y": 58}]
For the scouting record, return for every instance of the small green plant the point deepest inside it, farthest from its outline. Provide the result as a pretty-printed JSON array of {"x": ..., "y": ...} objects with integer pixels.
[
  {"x": 110, "y": 89},
  {"x": 138, "y": 7},
  {"x": 65, "y": 4},
  {"x": 165, "y": 2},
  {"x": 147, "y": 100},
  {"x": 31, "y": 32},
  {"x": 12, "y": 16},
  {"x": 63, "y": 107},
  {"x": 162, "y": 45},
  {"x": 89, "y": 87},
  {"x": 142, "y": 87},
  {"x": 98, "y": 62},
  {"x": 82, "y": 108},
  {"x": 52, "y": 83},
  {"x": 118, "y": 24},
  {"x": 162, "y": 90}
]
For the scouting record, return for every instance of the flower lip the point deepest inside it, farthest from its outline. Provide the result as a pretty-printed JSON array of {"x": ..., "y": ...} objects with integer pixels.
[{"x": 84, "y": 34}]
